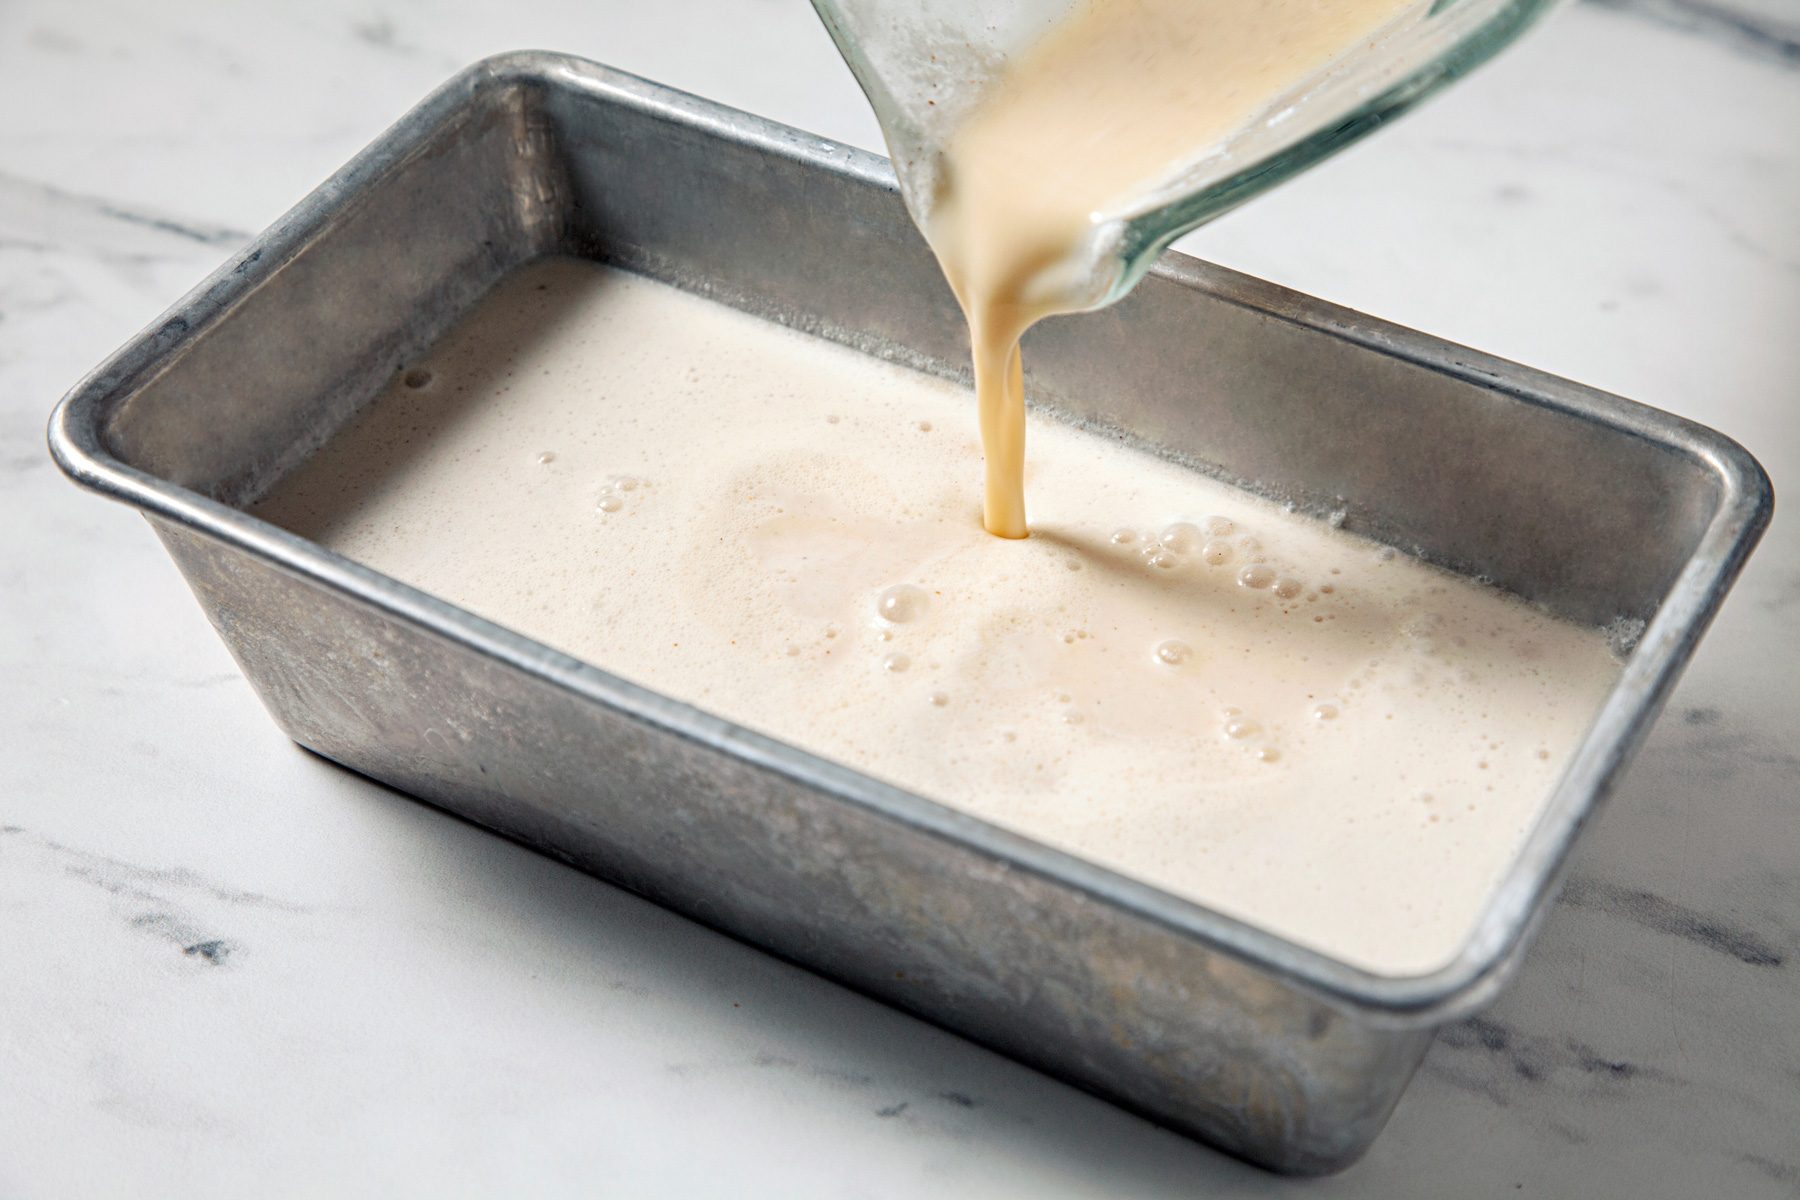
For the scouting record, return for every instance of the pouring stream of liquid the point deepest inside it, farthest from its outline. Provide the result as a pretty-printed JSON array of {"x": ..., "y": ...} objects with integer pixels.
[{"x": 1080, "y": 132}]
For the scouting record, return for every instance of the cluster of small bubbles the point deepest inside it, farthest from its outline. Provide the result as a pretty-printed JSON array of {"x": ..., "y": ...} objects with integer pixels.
[
  {"x": 1123, "y": 537},
  {"x": 1325, "y": 712},
  {"x": 1336, "y": 518},
  {"x": 1182, "y": 537},
  {"x": 1287, "y": 587},
  {"x": 1239, "y": 728},
  {"x": 1256, "y": 575},
  {"x": 610, "y": 501},
  {"x": 1268, "y": 754},
  {"x": 1421, "y": 624},
  {"x": 895, "y": 663},
  {"x": 939, "y": 699},
  {"x": 902, "y": 603},
  {"x": 546, "y": 457},
  {"x": 1172, "y": 653}
]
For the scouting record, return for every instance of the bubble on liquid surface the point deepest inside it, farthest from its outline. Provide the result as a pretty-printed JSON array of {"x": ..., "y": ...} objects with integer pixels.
[
  {"x": 624, "y": 483},
  {"x": 924, "y": 426},
  {"x": 895, "y": 663},
  {"x": 1162, "y": 560},
  {"x": 1215, "y": 553},
  {"x": 791, "y": 650},
  {"x": 902, "y": 603},
  {"x": 1239, "y": 728},
  {"x": 1256, "y": 575},
  {"x": 1268, "y": 754},
  {"x": 1123, "y": 537},
  {"x": 1172, "y": 653},
  {"x": 417, "y": 378},
  {"x": 939, "y": 699},
  {"x": 1325, "y": 712},
  {"x": 545, "y": 457},
  {"x": 610, "y": 503},
  {"x": 1287, "y": 587},
  {"x": 1182, "y": 537},
  {"x": 1217, "y": 527}
]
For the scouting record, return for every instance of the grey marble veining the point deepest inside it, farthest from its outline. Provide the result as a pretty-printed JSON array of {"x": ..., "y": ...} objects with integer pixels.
[
  {"x": 1769, "y": 29},
  {"x": 222, "y": 960}
]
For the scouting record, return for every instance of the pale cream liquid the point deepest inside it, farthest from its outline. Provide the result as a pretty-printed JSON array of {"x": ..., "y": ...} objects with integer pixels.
[
  {"x": 1083, "y": 128},
  {"x": 1171, "y": 678}
]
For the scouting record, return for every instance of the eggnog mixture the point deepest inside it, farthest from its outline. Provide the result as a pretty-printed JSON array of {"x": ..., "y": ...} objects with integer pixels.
[
  {"x": 1084, "y": 129},
  {"x": 1169, "y": 677}
]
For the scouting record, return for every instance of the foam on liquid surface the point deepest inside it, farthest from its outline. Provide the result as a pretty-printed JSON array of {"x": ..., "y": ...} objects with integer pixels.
[{"x": 1170, "y": 677}]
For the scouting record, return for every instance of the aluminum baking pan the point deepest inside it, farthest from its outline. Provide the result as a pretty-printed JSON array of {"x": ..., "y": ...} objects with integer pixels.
[{"x": 1599, "y": 509}]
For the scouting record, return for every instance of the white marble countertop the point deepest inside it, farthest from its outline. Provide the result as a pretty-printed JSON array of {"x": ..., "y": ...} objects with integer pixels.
[{"x": 227, "y": 967}]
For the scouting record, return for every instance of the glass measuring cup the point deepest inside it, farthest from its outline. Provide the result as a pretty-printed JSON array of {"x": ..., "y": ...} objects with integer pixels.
[{"x": 926, "y": 64}]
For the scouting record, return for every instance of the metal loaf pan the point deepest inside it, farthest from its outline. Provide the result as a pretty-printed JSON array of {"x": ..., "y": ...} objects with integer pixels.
[{"x": 1595, "y": 507}]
